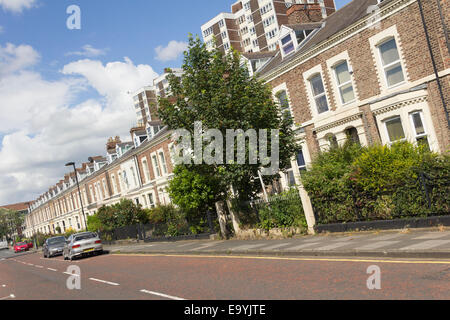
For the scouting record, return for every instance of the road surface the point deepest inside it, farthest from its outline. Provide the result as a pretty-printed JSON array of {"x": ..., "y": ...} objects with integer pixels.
[{"x": 143, "y": 277}]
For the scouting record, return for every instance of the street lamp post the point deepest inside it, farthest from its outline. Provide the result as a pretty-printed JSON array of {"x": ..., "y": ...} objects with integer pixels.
[{"x": 79, "y": 191}]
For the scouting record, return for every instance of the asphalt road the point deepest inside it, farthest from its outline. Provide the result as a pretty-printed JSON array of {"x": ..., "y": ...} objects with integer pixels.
[{"x": 136, "y": 277}]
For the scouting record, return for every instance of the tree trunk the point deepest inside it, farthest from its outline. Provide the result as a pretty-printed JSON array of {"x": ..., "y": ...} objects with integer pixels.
[
  {"x": 221, "y": 215},
  {"x": 234, "y": 219}
]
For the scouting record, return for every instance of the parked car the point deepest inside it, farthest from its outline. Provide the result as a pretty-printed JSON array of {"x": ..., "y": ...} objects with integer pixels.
[
  {"x": 54, "y": 246},
  {"x": 30, "y": 245},
  {"x": 20, "y": 247},
  {"x": 82, "y": 244},
  {"x": 4, "y": 245}
]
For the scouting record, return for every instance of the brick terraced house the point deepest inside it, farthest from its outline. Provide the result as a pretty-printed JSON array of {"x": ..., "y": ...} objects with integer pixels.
[{"x": 374, "y": 71}]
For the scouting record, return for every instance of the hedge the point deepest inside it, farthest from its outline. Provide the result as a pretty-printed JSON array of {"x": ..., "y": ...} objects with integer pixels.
[{"x": 354, "y": 183}]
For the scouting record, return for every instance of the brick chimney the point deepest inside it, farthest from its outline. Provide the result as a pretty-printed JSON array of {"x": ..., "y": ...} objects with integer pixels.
[
  {"x": 112, "y": 142},
  {"x": 304, "y": 13}
]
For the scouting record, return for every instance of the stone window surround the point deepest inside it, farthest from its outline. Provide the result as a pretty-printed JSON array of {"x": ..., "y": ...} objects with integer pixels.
[
  {"x": 307, "y": 75},
  {"x": 375, "y": 41},
  {"x": 404, "y": 110},
  {"x": 331, "y": 64},
  {"x": 279, "y": 88}
]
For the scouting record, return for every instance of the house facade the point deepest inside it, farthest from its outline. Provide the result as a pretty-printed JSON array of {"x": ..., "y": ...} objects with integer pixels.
[{"x": 374, "y": 71}]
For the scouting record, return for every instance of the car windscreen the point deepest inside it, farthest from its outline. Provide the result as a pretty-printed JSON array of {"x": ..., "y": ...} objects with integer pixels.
[
  {"x": 21, "y": 244},
  {"x": 85, "y": 236},
  {"x": 56, "y": 240}
]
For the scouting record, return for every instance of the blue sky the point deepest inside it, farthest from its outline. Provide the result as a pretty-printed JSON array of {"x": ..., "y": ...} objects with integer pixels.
[
  {"x": 124, "y": 28},
  {"x": 64, "y": 92}
]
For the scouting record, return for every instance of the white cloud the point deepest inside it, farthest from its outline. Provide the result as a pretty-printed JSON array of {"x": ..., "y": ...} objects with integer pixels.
[
  {"x": 88, "y": 51},
  {"x": 17, "y": 6},
  {"x": 13, "y": 58},
  {"x": 45, "y": 125},
  {"x": 171, "y": 52}
]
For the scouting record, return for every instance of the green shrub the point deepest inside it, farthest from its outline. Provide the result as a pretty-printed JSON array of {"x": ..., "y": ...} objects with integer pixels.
[
  {"x": 283, "y": 211},
  {"x": 352, "y": 183}
]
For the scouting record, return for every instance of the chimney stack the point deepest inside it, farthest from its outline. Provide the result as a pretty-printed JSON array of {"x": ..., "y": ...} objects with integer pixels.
[{"x": 304, "y": 13}]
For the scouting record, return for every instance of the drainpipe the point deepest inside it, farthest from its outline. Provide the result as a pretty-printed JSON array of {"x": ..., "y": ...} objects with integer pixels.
[{"x": 433, "y": 61}]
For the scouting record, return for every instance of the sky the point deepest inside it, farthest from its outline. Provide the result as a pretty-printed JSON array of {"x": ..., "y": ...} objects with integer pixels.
[{"x": 64, "y": 92}]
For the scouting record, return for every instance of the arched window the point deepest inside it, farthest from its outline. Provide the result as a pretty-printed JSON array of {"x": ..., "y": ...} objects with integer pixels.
[
  {"x": 284, "y": 104},
  {"x": 352, "y": 135},
  {"x": 331, "y": 138}
]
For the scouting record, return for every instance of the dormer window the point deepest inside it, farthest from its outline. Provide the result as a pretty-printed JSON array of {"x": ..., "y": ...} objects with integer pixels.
[{"x": 287, "y": 44}]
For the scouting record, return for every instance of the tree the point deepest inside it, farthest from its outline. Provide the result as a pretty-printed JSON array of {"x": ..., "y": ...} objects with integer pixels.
[
  {"x": 10, "y": 223},
  {"x": 193, "y": 192},
  {"x": 121, "y": 214},
  {"x": 217, "y": 91}
]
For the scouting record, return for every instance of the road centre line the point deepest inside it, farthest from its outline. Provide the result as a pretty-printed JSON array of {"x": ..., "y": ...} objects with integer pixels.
[
  {"x": 40, "y": 267},
  {"x": 51, "y": 269},
  {"x": 103, "y": 281},
  {"x": 289, "y": 259},
  {"x": 11, "y": 296},
  {"x": 161, "y": 295}
]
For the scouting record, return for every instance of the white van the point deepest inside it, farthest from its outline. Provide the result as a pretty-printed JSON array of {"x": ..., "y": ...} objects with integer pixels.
[{"x": 3, "y": 245}]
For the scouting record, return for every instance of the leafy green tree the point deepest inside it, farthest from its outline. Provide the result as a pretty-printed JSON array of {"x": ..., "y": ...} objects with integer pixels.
[
  {"x": 193, "y": 192},
  {"x": 217, "y": 91}
]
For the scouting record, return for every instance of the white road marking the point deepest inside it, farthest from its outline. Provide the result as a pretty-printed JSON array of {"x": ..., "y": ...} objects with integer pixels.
[
  {"x": 276, "y": 246},
  {"x": 51, "y": 269},
  {"x": 377, "y": 245},
  {"x": 3, "y": 285},
  {"x": 433, "y": 235},
  {"x": 334, "y": 246},
  {"x": 11, "y": 296},
  {"x": 426, "y": 245},
  {"x": 387, "y": 237},
  {"x": 186, "y": 244},
  {"x": 249, "y": 246},
  {"x": 40, "y": 267},
  {"x": 204, "y": 246},
  {"x": 30, "y": 264},
  {"x": 302, "y": 246},
  {"x": 103, "y": 281},
  {"x": 71, "y": 274},
  {"x": 161, "y": 295}
]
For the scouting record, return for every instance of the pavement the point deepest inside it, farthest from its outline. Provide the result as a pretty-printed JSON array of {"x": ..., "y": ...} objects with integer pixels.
[{"x": 405, "y": 243}]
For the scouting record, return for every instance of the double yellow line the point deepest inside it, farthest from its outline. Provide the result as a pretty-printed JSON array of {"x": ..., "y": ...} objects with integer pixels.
[{"x": 291, "y": 258}]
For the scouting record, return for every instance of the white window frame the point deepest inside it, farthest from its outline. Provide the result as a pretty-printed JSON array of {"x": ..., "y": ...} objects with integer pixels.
[
  {"x": 331, "y": 65},
  {"x": 156, "y": 168},
  {"x": 307, "y": 76},
  {"x": 385, "y": 121},
  {"x": 163, "y": 162},
  {"x": 375, "y": 41},
  {"x": 283, "y": 87},
  {"x": 145, "y": 167}
]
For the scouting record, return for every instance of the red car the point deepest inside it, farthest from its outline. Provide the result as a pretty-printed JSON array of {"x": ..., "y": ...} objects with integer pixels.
[
  {"x": 30, "y": 245},
  {"x": 20, "y": 247}
]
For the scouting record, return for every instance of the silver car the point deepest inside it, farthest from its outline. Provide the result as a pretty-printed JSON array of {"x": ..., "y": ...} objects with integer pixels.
[
  {"x": 82, "y": 244},
  {"x": 53, "y": 246}
]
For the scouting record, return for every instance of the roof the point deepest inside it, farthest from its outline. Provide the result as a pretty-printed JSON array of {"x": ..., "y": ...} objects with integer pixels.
[
  {"x": 334, "y": 23},
  {"x": 259, "y": 55},
  {"x": 304, "y": 26},
  {"x": 17, "y": 206},
  {"x": 125, "y": 144}
]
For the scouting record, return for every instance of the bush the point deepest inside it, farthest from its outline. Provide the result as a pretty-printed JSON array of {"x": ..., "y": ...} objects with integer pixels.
[
  {"x": 352, "y": 183},
  {"x": 124, "y": 213},
  {"x": 69, "y": 232},
  {"x": 169, "y": 220},
  {"x": 283, "y": 211}
]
